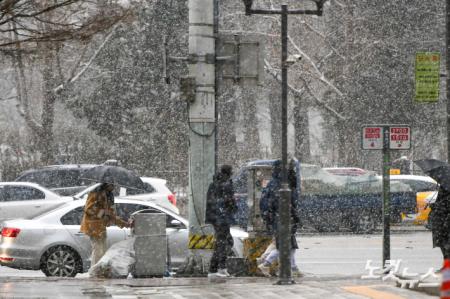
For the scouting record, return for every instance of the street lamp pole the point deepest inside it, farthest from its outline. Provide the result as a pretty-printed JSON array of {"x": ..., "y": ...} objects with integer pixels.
[{"x": 284, "y": 229}]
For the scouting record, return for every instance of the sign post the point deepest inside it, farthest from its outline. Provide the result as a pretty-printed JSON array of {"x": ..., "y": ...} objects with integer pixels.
[
  {"x": 386, "y": 197},
  {"x": 386, "y": 138}
]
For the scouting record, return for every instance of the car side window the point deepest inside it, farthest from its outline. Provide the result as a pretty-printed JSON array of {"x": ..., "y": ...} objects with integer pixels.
[
  {"x": 240, "y": 182},
  {"x": 169, "y": 222},
  {"x": 21, "y": 193},
  {"x": 420, "y": 186},
  {"x": 168, "y": 217},
  {"x": 73, "y": 217},
  {"x": 2, "y": 196},
  {"x": 124, "y": 210},
  {"x": 67, "y": 178}
]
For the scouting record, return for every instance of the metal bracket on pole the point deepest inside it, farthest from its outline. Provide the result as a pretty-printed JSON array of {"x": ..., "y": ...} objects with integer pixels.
[
  {"x": 237, "y": 56},
  {"x": 209, "y": 58}
]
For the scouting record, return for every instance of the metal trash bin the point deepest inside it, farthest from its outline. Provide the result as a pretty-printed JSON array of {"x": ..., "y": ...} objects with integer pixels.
[{"x": 150, "y": 245}]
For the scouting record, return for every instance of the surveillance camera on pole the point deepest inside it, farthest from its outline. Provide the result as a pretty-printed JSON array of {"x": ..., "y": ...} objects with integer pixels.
[{"x": 293, "y": 59}]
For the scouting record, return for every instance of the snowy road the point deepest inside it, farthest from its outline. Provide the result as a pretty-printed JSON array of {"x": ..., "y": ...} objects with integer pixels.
[{"x": 342, "y": 254}]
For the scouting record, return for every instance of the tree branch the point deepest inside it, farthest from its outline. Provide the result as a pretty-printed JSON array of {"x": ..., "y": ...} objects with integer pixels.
[
  {"x": 297, "y": 93},
  {"x": 75, "y": 77},
  {"x": 320, "y": 76}
]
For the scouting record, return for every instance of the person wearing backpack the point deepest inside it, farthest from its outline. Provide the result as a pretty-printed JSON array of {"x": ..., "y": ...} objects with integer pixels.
[
  {"x": 220, "y": 209},
  {"x": 269, "y": 207}
]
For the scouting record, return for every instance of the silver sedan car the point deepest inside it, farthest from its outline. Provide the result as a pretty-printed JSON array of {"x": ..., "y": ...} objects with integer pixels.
[
  {"x": 53, "y": 243},
  {"x": 25, "y": 200}
]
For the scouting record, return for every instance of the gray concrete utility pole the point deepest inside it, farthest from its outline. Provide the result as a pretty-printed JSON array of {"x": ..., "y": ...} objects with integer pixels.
[{"x": 202, "y": 126}]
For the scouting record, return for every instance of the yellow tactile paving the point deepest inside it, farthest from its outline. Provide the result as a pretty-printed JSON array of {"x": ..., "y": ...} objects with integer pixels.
[{"x": 369, "y": 292}]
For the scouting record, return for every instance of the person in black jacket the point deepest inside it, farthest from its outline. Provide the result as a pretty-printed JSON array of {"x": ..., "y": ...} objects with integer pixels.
[
  {"x": 269, "y": 206},
  {"x": 440, "y": 222},
  {"x": 220, "y": 209}
]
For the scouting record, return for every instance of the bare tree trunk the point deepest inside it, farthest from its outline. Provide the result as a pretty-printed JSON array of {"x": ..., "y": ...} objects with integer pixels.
[
  {"x": 275, "y": 116},
  {"x": 346, "y": 141},
  {"x": 46, "y": 142},
  {"x": 301, "y": 122},
  {"x": 251, "y": 124}
]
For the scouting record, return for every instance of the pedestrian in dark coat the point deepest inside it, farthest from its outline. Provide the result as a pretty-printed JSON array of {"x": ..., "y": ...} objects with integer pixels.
[
  {"x": 440, "y": 222},
  {"x": 269, "y": 207},
  {"x": 220, "y": 210}
]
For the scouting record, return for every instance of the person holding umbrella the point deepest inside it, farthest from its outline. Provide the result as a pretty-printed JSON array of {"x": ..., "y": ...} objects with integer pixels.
[
  {"x": 440, "y": 209},
  {"x": 99, "y": 214}
]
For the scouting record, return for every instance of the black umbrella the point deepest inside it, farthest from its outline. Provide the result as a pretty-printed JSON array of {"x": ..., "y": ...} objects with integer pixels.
[
  {"x": 438, "y": 170},
  {"x": 114, "y": 175},
  {"x": 429, "y": 164}
]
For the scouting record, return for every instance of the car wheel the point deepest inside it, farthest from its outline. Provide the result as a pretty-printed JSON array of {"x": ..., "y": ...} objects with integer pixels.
[
  {"x": 364, "y": 224},
  {"x": 60, "y": 261}
]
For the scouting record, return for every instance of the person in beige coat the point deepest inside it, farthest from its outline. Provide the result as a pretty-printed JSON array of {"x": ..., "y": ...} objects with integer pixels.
[{"x": 99, "y": 214}]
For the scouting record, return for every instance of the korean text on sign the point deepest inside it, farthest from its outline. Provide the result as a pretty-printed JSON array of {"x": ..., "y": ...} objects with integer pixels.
[
  {"x": 400, "y": 138},
  {"x": 427, "y": 76},
  {"x": 372, "y": 138}
]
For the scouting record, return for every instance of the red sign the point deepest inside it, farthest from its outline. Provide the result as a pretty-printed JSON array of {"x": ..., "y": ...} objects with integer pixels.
[
  {"x": 372, "y": 138},
  {"x": 400, "y": 138}
]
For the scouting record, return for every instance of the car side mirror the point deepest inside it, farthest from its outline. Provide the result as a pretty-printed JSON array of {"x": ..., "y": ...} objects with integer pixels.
[{"x": 176, "y": 223}]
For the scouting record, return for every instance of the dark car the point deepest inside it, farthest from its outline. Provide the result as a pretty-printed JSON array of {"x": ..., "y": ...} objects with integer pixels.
[{"x": 65, "y": 180}]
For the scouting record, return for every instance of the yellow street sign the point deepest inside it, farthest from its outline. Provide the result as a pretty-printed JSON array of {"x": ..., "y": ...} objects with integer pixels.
[
  {"x": 394, "y": 171},
  {"x": 427, "y": 76}
]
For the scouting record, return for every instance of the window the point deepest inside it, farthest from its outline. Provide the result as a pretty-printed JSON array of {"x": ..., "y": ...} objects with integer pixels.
[
  {"x": 147, "y": 189},
  {"x": 73, "y": 217},
  {"x": 41, "y": 177},
  {"x": 124, "y": 211},
  {"x": 240, "y": 182},
  {"x": 419, "y": 186},
  {"x": 2, "y": 196},
  {"x": 67, "y": 178},
  {"x": 55, "y": 178},
  {"x": 19, "y": 193}
]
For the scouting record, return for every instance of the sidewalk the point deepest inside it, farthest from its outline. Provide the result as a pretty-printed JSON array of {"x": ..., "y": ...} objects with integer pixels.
[{"x": 309, "y": 287}]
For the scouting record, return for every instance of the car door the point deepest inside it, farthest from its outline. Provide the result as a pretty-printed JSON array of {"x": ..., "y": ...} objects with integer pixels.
[
  {"x": 23, "y": 202},
  {"x": 72, "y": 221},
  {"x": 177, "y": 234}
]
